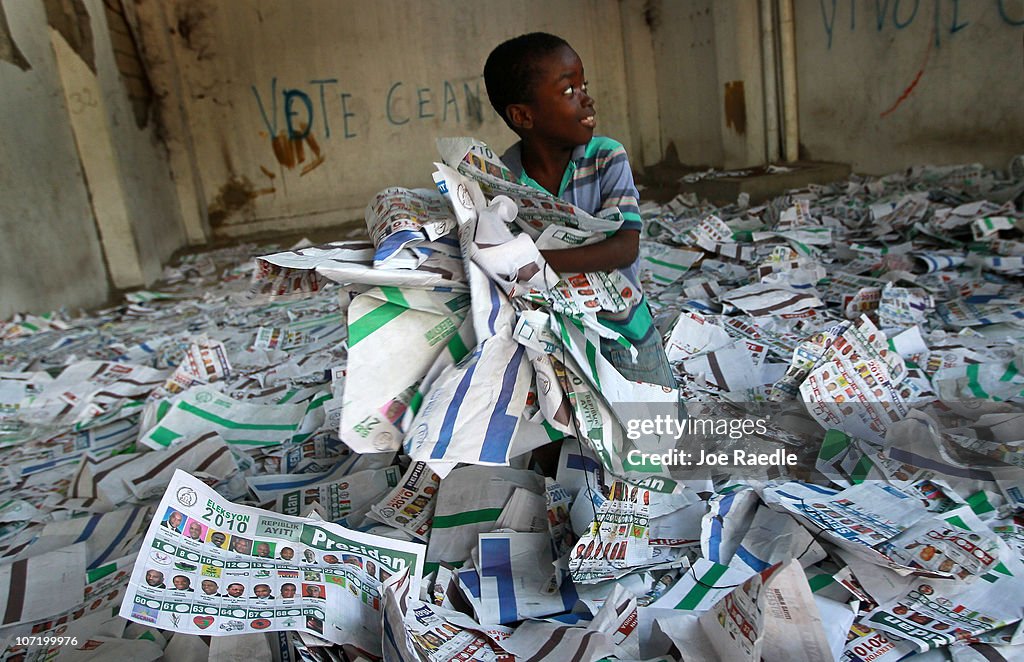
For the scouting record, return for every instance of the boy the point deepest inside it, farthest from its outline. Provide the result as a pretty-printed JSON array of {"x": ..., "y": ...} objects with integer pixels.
[{"x": 536, "y": 83}]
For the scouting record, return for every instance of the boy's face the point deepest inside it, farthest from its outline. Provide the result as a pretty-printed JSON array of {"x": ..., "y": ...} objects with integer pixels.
[{"x": 561, "y": 112}]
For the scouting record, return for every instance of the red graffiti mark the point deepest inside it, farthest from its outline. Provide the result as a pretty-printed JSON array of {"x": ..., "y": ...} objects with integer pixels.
[
  {"x": 290, "y": 151},
  {"x": 910, "y": 88}
]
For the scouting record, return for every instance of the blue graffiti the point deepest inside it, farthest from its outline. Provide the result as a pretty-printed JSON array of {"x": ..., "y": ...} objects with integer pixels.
[
  {"x": 450, "y": 100},
  {"x": 304, "y": 110},
  {"x": 425, "y": 105},
  {"x": 901, "y": 14},
  {"x": 1006, "y": 17},
  {"x": 323, "y": 101},
  {"x": 388, "y": 105},
  {"x": 896, "y": 12},
  {"x": 290, "y": 96},
  {"x": 956, "y": 25},
  {"x": 299, "y": 111},
  {"x": 270, "y": 122},
  {"x": 345, "y": 114}
]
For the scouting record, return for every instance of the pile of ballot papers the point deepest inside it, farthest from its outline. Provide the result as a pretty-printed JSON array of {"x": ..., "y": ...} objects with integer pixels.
[{"x": 408, "y": 445}]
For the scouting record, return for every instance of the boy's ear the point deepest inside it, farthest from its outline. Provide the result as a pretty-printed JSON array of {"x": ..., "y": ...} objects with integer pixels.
[{"x": 519, "y": 115}]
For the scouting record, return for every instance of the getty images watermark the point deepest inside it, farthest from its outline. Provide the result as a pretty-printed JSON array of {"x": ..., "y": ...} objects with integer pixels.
[{"x": 703, "y": 432}]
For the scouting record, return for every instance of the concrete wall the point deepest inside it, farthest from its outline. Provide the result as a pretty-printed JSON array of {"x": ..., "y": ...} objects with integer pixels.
[
  {"x": 50, "y": 254},
  {"x": 708, "y": 58},
  {"x": 882, "y": 84},
  {"x": 273, "y": 115},
  {"x": 689, "y": 107},
  {"x": 298, "y": 112},
  {"x": 888, "y": 84},
  {"x": 86, "y": 199},
  {"x": 149, "y": 194}
]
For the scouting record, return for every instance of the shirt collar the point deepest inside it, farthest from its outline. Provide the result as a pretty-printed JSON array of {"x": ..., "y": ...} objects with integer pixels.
[
  {"x": 577, "y": 154},
  {"x": 513, "y": 159}
]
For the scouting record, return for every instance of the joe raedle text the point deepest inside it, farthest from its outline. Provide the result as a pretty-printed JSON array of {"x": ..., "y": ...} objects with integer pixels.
[{"x": 704, "y": 458}]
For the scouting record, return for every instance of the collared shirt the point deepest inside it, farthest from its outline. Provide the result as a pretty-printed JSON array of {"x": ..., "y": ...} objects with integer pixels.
[{"x": 597, "y": 178}]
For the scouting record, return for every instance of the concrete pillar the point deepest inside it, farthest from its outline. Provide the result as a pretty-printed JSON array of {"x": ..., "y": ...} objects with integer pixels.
[
  {"x": 87, "y": 113},
  {"x": 741, "y": 89},
  {"x": 641, "y": 82},
  {"x": 166, "y": 78}
]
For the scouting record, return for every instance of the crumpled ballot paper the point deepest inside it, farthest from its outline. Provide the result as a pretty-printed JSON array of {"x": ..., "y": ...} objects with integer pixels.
[{"x": 877, "y": 321}]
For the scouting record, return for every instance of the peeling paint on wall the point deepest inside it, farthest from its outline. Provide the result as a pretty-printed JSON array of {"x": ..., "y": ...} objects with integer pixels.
[
  {"x": 9, "y": 51},
  {"x": 735, "y": 107},
  {"x": 71, "y": 19}
]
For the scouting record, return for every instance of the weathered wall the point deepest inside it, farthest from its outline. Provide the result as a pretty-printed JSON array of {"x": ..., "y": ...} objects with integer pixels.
[
  {"x": 86, "y": 198},
  {"x": 689, "y": 105},
  {"x": 290, "y": 115},
  {"x": 298, "y": 112},
  {"x": 150, "y": 199},
  {"x": 882, "y": 84},
  {"x": 892, "y": 83},
  {"x": 708, "y": 58},
  {"x": 50, "y": 254}
]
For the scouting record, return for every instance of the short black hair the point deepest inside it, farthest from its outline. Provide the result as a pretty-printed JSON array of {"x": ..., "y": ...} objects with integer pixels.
[{"x": 510, "y": 72}]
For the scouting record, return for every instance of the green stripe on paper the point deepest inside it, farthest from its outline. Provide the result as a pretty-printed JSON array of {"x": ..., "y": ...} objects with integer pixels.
[
  {"x": 468, "y": 517},
  {"x": 662, "y": 263},
  {"x": 100, "y": 572},
  {"x": 553, "y": 434},
  {"x": 566, "y": 340},
  {"x": 860, "y": 471},
  {"x": 319, "y": 402},
  {"x": 972, "y": 382},
  {"x": 163, "y": 436},
  {"x": 592, "y": 360},
  {"x": 957, "y": 521},
  {"x": 979, "y": 503},
  {"x": 457, "y": 348},
  {"x": 834, "y": 442},
  {"x": 703, "y": 587},
  {"x": 415, "y": 401},
  {"x": 819, "y": 582},
  {"x": 394, "y": 295},
  {"x": 372, "y": 321},
  {"x": 232, "y": 425}
]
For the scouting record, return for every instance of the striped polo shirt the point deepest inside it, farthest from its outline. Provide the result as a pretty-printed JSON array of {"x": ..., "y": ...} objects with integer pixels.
[{"x": 598, "y": 177}]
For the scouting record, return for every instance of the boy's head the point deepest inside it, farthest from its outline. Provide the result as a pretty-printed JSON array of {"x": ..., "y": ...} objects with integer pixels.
[{"x": 536, "y": 83}]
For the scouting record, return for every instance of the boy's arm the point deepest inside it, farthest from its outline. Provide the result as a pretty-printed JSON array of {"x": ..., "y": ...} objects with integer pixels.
[
  {"x": 617, "y": 191},
  {"x": 616, "y": 252}
]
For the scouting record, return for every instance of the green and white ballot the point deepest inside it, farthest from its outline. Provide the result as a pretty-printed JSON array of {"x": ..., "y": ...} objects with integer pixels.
[{"x": 208, "y": 566}]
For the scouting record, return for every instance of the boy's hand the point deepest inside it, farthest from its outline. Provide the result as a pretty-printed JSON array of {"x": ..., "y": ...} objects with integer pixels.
[{"x": 616, "y": 252}]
